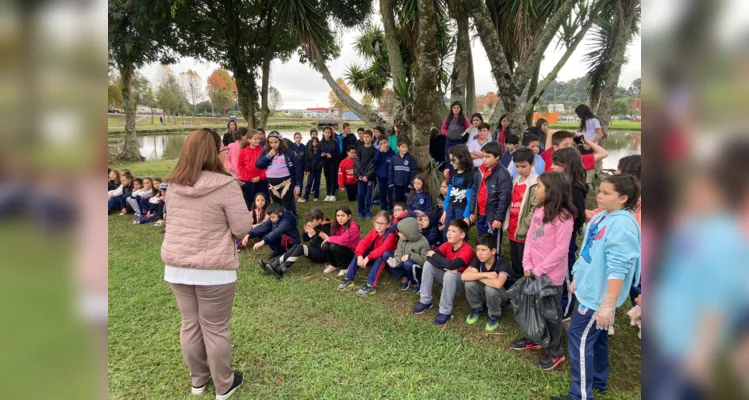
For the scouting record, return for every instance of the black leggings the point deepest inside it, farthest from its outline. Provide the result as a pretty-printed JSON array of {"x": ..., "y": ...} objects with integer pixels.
[
  {"x": 298, "y": 250},
  {"x": 337, "y": 256},
  {"x": 331, "y": 178},
  {"x": 288, "y": 201}
]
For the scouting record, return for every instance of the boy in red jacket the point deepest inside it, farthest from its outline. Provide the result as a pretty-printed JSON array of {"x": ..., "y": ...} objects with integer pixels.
[
  {"x": 368, "y": 254},
  {"x": 346, "y": 176}
]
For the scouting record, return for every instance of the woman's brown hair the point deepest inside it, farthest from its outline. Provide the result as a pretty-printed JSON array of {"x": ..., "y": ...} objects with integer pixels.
[{"x": 199, "y": 153}]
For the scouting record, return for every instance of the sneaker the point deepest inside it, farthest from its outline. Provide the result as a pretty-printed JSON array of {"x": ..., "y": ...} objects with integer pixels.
[
  {"x": 420, "y": 307},
  {"x": 611, "y": 330},
  {"x": 567, "y": 318},
  {"x": 138, "y": 215},
  {"x": 360, "y": 215},
  {"x": 328, "y": 269},
  {"x": 199, "y": 390},
  {"x": 346, "y": 283},
  {"x": 274, "y": 268},
  {"x": 368, "y": 215},
  {"x": 565, "y": 397},
  {"x": 264, "y": 266},
  {"x": 315, "y": 199},
  {"x": 549, "y": 362},
  {"x": 474, "y": 315},
  {"x": 136, "y": 222},
  {"x": 159, "y": 222},
  {"x": 342, "y": 272},
  {"x": 366, "y": 290},
  {"x": 405, "y": 283},
  {"x": 524, "y": 344},
  {"x": 492, "y": 323},
  {"x": 416, "y": 288},
  {"x": 441, "y": 319},
  {"x": 301, "y": 201},
  {"x": 238, "y": 380}
]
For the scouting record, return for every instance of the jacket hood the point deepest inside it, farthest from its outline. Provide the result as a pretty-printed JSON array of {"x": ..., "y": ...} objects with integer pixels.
[
  {"x": 208, "y": 183},
  {"x": 289, "y": 216},
  {"x": 410, "y": 228}
]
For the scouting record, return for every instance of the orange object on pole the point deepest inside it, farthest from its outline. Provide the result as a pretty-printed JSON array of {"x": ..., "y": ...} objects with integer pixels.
[{"x": 553, "y": 118}]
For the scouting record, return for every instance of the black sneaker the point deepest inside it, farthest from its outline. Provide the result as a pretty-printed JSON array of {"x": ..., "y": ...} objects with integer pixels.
[
  {"x": 524, "y": 344},
  {"x": 550, "y": 362},
  {"x": 274, "y": 268},
  {"x": 565, "y": 397},
  {"x": 264, "y": 266},
  {"x": 238, "y": 380}
]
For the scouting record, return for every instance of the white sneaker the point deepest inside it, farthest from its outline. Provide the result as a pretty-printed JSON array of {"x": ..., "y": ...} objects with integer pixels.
[
  {"x": 328, "y": 269},
  {"x": 611, "y": 330},
  {"x": 315, "y": 199},
  {"x": 342, "y": 273}
]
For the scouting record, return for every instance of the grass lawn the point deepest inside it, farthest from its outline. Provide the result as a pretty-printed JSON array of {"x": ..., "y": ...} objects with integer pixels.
[
  {"x": 299, "y": 338},
  {"x": 614, "y": 125}
]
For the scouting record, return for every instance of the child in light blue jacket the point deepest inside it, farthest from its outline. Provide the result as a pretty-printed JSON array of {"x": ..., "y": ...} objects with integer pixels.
[{"x": 609, "y": 264}]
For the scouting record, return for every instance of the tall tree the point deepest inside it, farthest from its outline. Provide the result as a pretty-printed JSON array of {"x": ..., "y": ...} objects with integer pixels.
[
  {"x": 515, "y": 36},
  {"x": 192, "y": 86},
  {"x": 220, "y": 89},
  {"x": 169, "y": 95},
  {"x": 335, "y": 101},
  {"x": 138, "y": 35},
  {"x": 275, "y": 99}
]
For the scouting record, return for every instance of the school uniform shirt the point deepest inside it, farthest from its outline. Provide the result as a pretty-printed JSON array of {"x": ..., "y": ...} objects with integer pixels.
[
  {"x": 547, "y": 247},
  {"x": 313, "y": 161},
  {"x": 346, "y": 237},
  {"x": 589, "y": 160},
  {"x": 300, "y": 154},
  {"x": 346, "y": 173},
  {"x": 539, "y": 167},
  {"x": 274, "y": 231},
  {"x": 420, "y": 201},
  {"x": 382, "y": 161},
  {"x": 330, "y": 147},
  {"x": 402, "y": 170},
  {"x": 448, "y": 258},
  {"x": 506, "y": 158},
  {"x": 518, "y": 191},
  {"x": 475, "y": 145},
  {"x": 499, "y": 267},
  {"x": 459, "y": 191}
]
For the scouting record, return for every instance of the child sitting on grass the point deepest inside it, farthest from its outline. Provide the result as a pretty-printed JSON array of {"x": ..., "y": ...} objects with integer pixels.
[
  {"x": 484, "y": 280},
  {"x": 400, "y": 211},
  {"x": 409, "y": 256},
  {"x": 428, "y": 227},
  {"x": 316, "y": 225},
  {"x": 339, "y": 246},
  {"x": 279, "y": 232},
  {"x": 369, "y": 254},
  {"x": 158, "y": 207}
]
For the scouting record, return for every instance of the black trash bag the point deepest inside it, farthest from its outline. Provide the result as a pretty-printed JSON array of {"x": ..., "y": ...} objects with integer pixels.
[
  {"x": 527, "y": 315},
  {"x": 543, "y": 290}
]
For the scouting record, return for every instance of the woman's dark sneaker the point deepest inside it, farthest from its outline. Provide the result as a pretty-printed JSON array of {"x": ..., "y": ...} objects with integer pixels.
[
  {"x": 238, "y": 380},
  {"x": 524, "y": 344}
]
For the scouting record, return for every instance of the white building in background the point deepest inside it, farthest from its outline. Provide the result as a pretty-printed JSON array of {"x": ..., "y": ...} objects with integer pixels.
[
  {"x": 556, "y": 108},
  {"x": 147, "y": 110},
  {"x": 316, "y": 112}
]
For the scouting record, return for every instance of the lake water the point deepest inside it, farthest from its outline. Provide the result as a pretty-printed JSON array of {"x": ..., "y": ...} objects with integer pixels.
[{"x": 157, "y": 147}]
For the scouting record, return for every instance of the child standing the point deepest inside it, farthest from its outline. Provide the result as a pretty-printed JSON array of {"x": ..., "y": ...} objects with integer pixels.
[
  {"x": 492, "y": 190},
  {"x": 278, "y": 161},
  {"x": 348, "y": 139},
  {"x": 279, "y": 232},
  {"x": 316, "y": 225},
  {"x": 339, "y": 246},
  {"x": 365, "y": 171},
  {"x": 254, "y": 178},
  {"x": 522, "y": 204},
  {"x": 568, "y": 162},
  {"x": 454, "y": 128},
  {"x": 402, "y": 171},
  {"x": 369, "y": 252},
  {"x": 300, "y": 156},
  {"x": 546, "y": 254},
  {"x": 532, "y": 142},
  {"x": 233, "y": 150},
  {"x": 330, "y": 152},
  {"x": 485, "y": 282},
  {"x": 313, "y": 170},
  {"x": 382, "y": 161},
  {"x": 445, "y": 266},
  {"x": 459, "y": 192},
  {"x": 419, "y": 198},
  {"x": 409, "y": 256},
  {"x": 608, "y": 263},
  {"x": 511, "y": 144},
  {"x": 346, "y": 177}
]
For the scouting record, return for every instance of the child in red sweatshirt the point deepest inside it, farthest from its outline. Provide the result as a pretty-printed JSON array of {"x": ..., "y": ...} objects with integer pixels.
[
  {"x": 369, "y": 253},
  {"x": 346, "y": 176}
]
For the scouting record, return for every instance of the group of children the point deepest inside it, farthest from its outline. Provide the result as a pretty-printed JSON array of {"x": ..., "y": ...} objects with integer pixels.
[{"x": 143, "y": 197}]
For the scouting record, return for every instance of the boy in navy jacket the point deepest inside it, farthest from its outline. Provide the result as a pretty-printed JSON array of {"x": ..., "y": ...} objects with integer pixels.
[
  {"x": 402, "y": 171},
  {"x": 491, "y": 194},
  {"x": 428, "y": 227},
  {"x": 365, "y": 171},
  {"x": 382, "y": 162},
  {"x": 279, "y": 231},
  {"x": 300, "y": 153}
]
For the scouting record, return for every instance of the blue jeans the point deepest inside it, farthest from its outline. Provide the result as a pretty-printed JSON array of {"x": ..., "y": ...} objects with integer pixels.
[
  {"x": 250, "y": 189},
  {"x": 386, "y": 196},
  {"x": 116, "y": 203},
  {"x": 313, "y": 184},
  {"x": 365, "y": 197},
  {"x": 589, "y": 355},
  {"x": 452, "y": 213}
]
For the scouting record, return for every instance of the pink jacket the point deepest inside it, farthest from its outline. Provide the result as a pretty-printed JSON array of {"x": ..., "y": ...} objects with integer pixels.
[
  {"x": 204, "y": 220},
  {"x": 232, "y": 158},
  {"x": 348, "y": 238},
  {"x": 546, "y": 247}
]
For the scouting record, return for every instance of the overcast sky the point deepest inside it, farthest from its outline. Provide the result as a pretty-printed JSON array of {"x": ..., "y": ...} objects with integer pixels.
[{"x": 303, "y": 87}]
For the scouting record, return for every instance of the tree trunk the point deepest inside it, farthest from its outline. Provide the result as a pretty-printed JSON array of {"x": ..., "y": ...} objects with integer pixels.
[
  {"x": 611, "y": 79},
  {"x": 459, "y": 74},
  {"x": 246, "y": 95},
  {"x": 531, "y": 90},
  {"x": 425, "y": 80},
  {"x": 397, "y": 71},
  {"x": 131, "y": 151},
  {"x": 267, "y": 58},
  {"x": 470, "y": 84}
]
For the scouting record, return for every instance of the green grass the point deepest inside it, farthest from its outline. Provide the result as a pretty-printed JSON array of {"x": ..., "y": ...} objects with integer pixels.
[
  {"x": 300, "y": 338},
  {"x": 614, "y": 125}
]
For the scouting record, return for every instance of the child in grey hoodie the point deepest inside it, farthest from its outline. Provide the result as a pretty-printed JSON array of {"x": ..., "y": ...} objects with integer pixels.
[{"x": 410, "y": 255}]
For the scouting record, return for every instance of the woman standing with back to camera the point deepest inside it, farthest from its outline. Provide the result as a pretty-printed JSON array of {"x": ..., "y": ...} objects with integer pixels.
[{"x": 206, "y": 214}]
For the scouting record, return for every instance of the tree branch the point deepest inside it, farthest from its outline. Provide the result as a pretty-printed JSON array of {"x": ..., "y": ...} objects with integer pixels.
[
  {"x": 397, "y": 71},
  {"x": 494, "y": 51}
]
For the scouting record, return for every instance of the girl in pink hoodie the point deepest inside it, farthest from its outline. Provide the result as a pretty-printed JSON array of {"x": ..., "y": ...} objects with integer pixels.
[
  {"x": 339, "y": 247},
  {"x": 546, "y": 250}
]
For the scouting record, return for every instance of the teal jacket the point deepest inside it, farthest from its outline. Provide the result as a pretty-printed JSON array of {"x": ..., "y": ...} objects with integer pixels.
[{"x": 611, "y": 250}]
